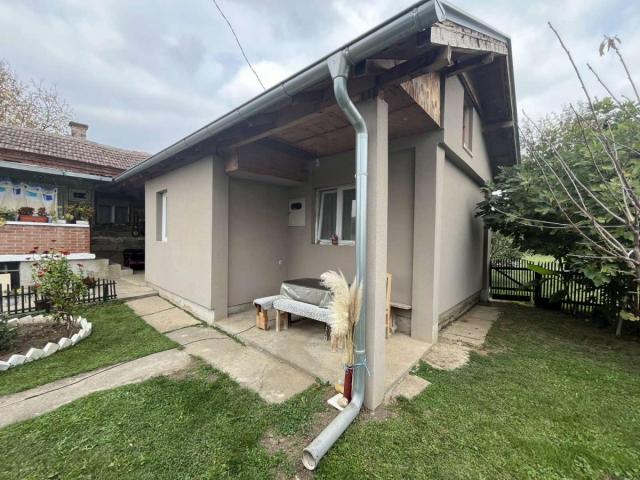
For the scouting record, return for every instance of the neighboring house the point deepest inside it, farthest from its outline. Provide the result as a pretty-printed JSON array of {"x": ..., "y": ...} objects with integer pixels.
[
  {"x": 255, "y": 197},
  {"x": 45, "y": 170}
]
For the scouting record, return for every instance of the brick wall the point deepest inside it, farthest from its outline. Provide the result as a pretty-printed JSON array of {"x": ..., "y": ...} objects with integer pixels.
[{"x": 16, "y": 239}]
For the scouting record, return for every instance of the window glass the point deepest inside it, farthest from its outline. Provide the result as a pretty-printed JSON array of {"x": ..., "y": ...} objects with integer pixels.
[
  {"x": 328, "y": 214},
  {"x": 122, "y": 215},
  {"x": 103, "y": 215},
  {"x": 349, "y": 214},
  {"x": 467, "y": 124}
]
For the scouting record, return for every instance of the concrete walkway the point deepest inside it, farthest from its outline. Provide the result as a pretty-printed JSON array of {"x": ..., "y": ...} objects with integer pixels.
[
  {"x": 274, "y": 380},
  {"x": 461, "y": 337},
  {"x": 133, "y": 286},
  {"x": 36, "y": 401}
]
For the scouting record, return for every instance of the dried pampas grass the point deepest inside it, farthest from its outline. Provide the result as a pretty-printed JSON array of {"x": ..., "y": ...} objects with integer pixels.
[{"x": 344, "y": 308}]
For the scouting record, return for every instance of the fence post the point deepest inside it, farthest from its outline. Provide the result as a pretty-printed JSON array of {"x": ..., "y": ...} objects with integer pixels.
[
  {"x": 105, "y": 290},
  {"x": 537, "y": 289}
]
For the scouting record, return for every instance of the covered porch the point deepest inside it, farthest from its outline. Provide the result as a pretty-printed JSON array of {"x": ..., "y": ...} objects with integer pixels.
[{"x": 304, "y": 346}]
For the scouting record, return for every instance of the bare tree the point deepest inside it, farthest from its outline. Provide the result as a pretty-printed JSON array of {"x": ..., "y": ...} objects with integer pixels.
[
  {"x": 587, "y": 165},
  {"x": 32, "y": 104}
]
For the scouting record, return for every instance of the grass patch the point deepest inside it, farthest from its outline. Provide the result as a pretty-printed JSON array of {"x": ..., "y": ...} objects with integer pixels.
[
  {"x": 200, "y": 425},
  {"x": 549, "y": 398},
  {"x": 554, "y": 399},
  {"x": 118, "y": 335}
]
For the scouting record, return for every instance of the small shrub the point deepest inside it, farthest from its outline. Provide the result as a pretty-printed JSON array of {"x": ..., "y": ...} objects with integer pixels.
[
  {"x": 55, "y": 280},
  {"x": 42, "y": 212},
  {"x": 80, "y": 211},
  {"x": 7, "y": 334}
]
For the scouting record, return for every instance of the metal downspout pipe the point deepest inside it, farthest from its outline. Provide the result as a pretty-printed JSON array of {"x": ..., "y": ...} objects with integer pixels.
[{"x": 339, "y": 68}]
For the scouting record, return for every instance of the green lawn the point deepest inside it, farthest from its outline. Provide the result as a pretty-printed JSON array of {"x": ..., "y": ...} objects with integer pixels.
[
  {"x": 118, "y": 335},
  {"x": 550, "y": 398}
]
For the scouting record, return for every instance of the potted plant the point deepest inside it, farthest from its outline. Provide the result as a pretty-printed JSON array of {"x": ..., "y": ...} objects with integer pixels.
[
  {"x": 68, "y": 218},
  {"x": 25, "y": 214},
  {"x": 7, "y": 215},
  {"x": 82, "y": 213}
]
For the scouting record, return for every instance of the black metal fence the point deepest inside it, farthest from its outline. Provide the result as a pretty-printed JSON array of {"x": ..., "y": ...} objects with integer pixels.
[
  {"x": 569, "y": 291},
  {"x": 27, "y": 299}
]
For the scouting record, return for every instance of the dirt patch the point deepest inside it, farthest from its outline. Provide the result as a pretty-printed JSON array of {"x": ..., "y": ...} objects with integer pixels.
[
  {"x": 193, "y": 372},
  {"x": 36, "y": 335},
  {"x": 291, "y": 446}
]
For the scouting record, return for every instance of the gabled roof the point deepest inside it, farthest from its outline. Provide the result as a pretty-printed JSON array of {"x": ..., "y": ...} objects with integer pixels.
[
  {"x": 411, "y": 23},
  {"x": 64, "y": 147}
]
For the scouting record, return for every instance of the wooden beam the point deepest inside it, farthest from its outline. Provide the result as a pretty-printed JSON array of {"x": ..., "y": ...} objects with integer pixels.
[
  {"x": 285, "y": 148},
  {"x": 425, "y": 91},
  {"x": 470, "y": 64},
  {"x": 314, "y": 104},
  {"x": 465, "y": 39}
]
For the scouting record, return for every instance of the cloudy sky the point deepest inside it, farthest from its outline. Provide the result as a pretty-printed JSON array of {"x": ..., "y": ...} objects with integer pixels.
[{"x": 144, "y": 73}]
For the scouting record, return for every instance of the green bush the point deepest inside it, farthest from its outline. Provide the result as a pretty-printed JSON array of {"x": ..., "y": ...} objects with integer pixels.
[{"x": 7, "y": 334}]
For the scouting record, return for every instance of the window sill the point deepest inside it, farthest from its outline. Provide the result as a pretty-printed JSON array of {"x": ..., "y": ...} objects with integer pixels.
[{"x": 346, "y": 243}]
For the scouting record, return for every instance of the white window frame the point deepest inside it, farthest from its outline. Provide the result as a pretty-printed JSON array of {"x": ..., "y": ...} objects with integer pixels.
[
  {"x": 163, "y": 237},
  {"x": 468, "y": 112},
  {"x": 339, "y": 209}
]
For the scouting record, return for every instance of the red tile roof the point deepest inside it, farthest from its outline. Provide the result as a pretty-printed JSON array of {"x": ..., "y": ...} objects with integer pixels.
[{"x": 67, "y": 147}]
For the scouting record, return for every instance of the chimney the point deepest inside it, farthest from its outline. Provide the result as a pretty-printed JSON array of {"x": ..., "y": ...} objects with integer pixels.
[{"x": 78, "y": 130}]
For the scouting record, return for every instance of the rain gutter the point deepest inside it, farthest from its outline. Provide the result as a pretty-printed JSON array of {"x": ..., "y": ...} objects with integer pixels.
[{"x": 414, "y": 19}]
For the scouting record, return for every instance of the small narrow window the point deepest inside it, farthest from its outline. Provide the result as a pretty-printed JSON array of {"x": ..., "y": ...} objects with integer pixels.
[
  {"x": 161, "y": 216},
  {"x": 467, "y": 124}
]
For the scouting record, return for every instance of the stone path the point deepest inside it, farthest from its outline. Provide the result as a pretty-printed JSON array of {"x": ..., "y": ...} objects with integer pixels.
[
  {"x": 274, "y": 380},
  {"x": 461, "y": 337},
  {"x": 36, "y": 401},
  {"x": 133, "y": 286}
]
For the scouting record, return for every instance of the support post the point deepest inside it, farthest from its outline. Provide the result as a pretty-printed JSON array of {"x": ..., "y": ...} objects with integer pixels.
[
  {"x": 375, "y": 113},
  {"x": 427, "y": 231},
  {"x": 220, "y": 241},
  {"x": 486, "y": 266}
]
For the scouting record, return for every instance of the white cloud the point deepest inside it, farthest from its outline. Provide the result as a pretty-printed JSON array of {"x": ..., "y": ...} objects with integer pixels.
[{"x": 143, "y": 74}]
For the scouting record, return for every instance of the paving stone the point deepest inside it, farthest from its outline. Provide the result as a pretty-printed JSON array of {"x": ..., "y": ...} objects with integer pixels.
[
  {"x": 4, "y": 366},
  {"x": 64, "y": 342},
  {"x": 149, "y": 305},
  {"x": 169, "y": 320},
  {"x": 409, "y": 387},
  {"x": 274, "y": 380},
  {"x": 74, "y": 338}
]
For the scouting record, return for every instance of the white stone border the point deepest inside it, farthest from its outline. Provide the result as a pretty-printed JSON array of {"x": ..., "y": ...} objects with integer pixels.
[{"x": 50, "y": 348}]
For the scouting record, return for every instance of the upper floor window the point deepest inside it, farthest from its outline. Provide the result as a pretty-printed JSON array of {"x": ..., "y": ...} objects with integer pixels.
[
  {"x": 336, "y": 215},
  {"x": 467, "y": 124},
  {"x": 161, "y": 216}
]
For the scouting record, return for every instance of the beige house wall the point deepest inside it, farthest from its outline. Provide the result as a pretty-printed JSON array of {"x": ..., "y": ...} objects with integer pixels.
[
  {"x": 182, "y": 264},
  {"x": 258, "y": 232},
  {"x": 478, "y": 159},
  {"x": 462, "y": 239},
  {"x": 308, "y": 259}
]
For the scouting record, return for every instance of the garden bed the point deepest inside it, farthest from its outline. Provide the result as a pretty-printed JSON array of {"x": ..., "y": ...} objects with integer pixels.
[
  {"x": 36, "y": 334},
  {"x": 40, "y": 349}
]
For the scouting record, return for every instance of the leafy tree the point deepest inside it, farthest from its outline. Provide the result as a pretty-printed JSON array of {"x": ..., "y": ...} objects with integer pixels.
[
  {"x": 503, "y": 247},
  {"x": 576, "y": 194},
  {"x": 31, "y": 104}
]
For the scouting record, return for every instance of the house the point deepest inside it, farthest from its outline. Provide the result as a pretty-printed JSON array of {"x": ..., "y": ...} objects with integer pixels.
[
  {"x": 46, "y": 170},
  {"x": 267, "y": 192}
]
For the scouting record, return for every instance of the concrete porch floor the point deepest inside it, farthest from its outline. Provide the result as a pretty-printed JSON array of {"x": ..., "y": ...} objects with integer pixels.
[{"x": 303, "y": 345}]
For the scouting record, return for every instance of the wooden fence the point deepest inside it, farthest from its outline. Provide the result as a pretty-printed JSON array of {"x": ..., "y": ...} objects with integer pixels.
[
  {"x": 27, "y": 299},
  {"x": 515, "y": 280}
]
